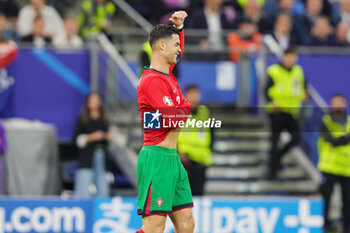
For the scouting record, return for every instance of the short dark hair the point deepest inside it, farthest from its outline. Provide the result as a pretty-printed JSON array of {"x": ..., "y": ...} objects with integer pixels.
[
  {"x": 161, "y": 31},
  {"x": 192, "y": 87},
  {"x": 284, "y": 14},
  {"x": 291, "y": 50}
]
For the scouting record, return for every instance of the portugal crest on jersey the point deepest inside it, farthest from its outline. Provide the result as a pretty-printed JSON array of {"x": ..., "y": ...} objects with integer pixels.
[
  {"x": 159, "y": 202},
  {"x": 167, "y": 100}
]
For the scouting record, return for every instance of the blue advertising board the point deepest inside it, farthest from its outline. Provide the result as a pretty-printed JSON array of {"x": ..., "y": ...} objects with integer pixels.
[
  {"x": 49, "y": 86},
  {"x": 118, "y": 215},
  {"x": 45, "y": 215},
  {"x": 221, "y": 215}
]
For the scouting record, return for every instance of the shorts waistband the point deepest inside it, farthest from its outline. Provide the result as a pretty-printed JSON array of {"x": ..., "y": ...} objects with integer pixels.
[{"x": 160, "y": 149}]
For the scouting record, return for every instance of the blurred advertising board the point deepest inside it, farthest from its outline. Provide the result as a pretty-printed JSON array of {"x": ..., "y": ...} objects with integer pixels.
[
  {"x": 45, "y": 215},
  {"x": 118, "y": 215}
]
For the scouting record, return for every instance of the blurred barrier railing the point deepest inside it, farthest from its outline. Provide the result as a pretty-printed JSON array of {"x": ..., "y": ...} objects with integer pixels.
[
  {"x": 123, "y": 155},
  {"x": 118, "y": 58},
  {"x": 133, "y": 14}
]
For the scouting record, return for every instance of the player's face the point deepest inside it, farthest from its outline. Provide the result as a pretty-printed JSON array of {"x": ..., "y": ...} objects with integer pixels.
[{"x": 172, "y": 48}]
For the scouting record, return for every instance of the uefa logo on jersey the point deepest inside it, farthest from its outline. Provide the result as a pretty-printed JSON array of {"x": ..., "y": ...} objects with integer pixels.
[
  {"x": 151, "y": 120},
  {"x": 167, "y": 100}
]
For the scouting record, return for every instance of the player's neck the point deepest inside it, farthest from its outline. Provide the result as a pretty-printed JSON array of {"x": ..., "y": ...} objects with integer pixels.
[{"x": 160, "y": 65}]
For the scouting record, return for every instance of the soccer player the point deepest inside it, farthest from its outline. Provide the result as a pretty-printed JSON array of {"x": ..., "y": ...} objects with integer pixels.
[{"x": 164, "y": 189}]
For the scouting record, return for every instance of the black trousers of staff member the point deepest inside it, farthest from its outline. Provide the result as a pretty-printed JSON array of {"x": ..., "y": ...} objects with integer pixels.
[
  {"x": 279, "y": 122},
  {"x": 196, "y": 175},
  {"x": 326, "y": 188}
]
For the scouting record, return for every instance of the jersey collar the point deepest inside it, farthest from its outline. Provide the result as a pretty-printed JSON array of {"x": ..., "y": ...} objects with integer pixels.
[{"x": 148, "y": 68}]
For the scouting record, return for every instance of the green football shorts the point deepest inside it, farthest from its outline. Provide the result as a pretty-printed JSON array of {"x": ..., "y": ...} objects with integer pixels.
[{"x": 162, "y": 181}]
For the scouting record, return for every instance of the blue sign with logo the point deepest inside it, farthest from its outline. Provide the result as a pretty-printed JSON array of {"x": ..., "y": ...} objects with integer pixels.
[
  {"x": 151, "y": 120},
  {"x": 221, "y": 215},
  {"x": 48, "y": 215},
  {"x": 118, "y": 215}
]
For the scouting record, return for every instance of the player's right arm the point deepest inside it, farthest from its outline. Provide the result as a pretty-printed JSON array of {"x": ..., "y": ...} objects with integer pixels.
[{"x": 177, "y": 19}]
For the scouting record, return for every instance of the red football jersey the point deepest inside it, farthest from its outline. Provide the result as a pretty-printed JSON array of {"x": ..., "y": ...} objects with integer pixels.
[{"x": 161, "y": 91}]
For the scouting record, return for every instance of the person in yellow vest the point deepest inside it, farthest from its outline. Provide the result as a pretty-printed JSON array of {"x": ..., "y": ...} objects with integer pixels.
[
  {"x": 194, "y": 144},
  {"x": 334, "y": 157},
  {"x": 145, "y": 59},
  {"x": 95, "y": 16},
  {"x": 284, "y": 93}
]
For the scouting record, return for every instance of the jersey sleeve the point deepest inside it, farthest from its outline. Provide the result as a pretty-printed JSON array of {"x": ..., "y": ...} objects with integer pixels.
[
  {"x": 183, "y": 101},
  {"x": 182, "y": 45},
  {"x": 160, "y": 98}
]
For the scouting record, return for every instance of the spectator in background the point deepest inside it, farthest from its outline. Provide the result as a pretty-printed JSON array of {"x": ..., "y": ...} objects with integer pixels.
[
  {"x": 3, "y": 149},
  {"x": 214, "y": 19},
  {"x": 194, "y": 144},
  {"x": 334, "y": 157},
  {"x": 254, "y": 13},
  {"x": 285, "y": 91},
  {"x": 92, "y": 138},
  {"x": 10, "y": 9},
  {"x": 343, "y": 14},
  {"x": 322, "y": 33},
  {"x": 52, "y": 20},
  {"x": 275, "y": 8},
  {"x": 247, "y": 39},
  {"x": 281, "y": 37},
  {"x": 341, "y": 34},
  {"x": 313, "y": 12},
  {"x": 287, "y": 7},
  {"x": 69, "y": 37},
  {"x": 38, "y": 37},
  {"x": 95, "y": 16}
]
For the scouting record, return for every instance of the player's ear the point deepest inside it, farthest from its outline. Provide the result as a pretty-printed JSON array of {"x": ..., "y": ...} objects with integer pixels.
[{"x": 161, "y": 45}]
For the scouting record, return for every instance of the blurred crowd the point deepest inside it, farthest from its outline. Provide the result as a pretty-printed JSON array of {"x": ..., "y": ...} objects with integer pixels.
[
  {"x": 277, "y": 23},
  {"x": 40, "y": 24},
  {"x": 299, "y": 22}
]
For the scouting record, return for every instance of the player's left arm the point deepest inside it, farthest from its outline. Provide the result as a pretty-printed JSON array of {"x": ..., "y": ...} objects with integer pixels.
[{"x": 177, "y": 19}]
